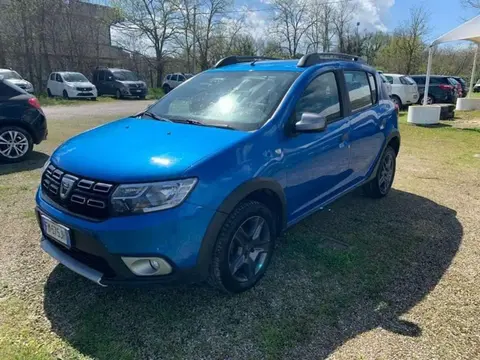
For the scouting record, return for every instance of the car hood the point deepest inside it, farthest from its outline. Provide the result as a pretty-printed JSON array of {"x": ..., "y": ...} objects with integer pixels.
[
  {"x": 141, "y": 150},
  {"x": 19, "y": 82},
  {"x": 80, "y": 83},
  {"x": 132, "y": 82}
]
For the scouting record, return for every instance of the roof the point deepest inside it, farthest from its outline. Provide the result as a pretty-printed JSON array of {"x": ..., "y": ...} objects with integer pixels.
[
  {"x": 279, "y": 65},
  {"x": 432, "y": 76},
  {"x": 399, "y": 75}
]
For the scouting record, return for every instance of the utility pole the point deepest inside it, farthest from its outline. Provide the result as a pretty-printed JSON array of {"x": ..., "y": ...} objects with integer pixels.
[{"x": 194, "y": 37}]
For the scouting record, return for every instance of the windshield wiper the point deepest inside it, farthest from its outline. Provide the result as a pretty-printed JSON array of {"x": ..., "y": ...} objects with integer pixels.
[
  {"x": 153, "y": 116},
  {"x": 199, "y": 123}
]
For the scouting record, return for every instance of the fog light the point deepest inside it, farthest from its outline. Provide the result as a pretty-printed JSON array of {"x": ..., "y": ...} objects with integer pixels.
[{"x": 143, "y": 266}]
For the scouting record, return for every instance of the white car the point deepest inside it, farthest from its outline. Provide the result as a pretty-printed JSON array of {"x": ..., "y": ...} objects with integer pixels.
[
  {"x": 13, "y": 77},
  {"x": 173, "y": 80},
  {"x": 404, "y": 89},
  {"x": 387, "y": 84},
  {"x": 70, "y": 85}
]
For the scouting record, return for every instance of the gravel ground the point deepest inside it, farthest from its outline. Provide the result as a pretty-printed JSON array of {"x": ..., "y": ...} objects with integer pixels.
[
  {"x": 84, "y": 111},
  {"x": 396, "y": 278}
]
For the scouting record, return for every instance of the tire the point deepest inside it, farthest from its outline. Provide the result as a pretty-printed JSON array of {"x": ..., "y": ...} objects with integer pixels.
[
  {"x": 65, "y": 95},
  {"x": 23, "y": 140},
  {"x": 93, "y": 99},
  {"x": 382, "y": 183},
  {"x": 237, "y": 265},
  {"x": 396, "y": 100},
  {"x": 49, "y": 93},
  {"x": 118, "y": 94},
  {"x": 430, "y": 100},
  {"x": 142, "y": 97},
  {"x": 166, "y": 89}
]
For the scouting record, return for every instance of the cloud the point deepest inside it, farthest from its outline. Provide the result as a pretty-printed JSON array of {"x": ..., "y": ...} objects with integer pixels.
[{"x": 372, "y": 13}]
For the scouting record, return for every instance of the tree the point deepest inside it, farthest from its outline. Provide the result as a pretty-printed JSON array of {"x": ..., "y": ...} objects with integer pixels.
[
  {"x": 342, "y": 19},
  {"x": 320, "y": 34},
  {"x": 291, "y": 21},
  {"x": 475, "y": 4},
  {"x": 157, "y": 20}
]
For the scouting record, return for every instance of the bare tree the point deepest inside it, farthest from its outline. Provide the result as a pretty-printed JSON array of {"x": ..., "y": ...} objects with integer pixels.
[
  {"x": 291, "y": 21},
  {"x": 342, "y": 19},
  {"x": 157, "y": 20},
  {"x": 475, "y": 4},
  {"x": 320, "y": 34}
]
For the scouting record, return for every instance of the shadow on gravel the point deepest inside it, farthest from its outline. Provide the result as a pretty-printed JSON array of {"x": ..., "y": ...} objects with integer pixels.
[
  {"x": 313, "y": 299},
  {"x": 35, "y": 161}
]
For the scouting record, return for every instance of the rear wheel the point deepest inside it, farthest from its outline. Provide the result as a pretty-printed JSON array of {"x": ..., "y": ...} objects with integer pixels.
[
  {"x": 382, "y": 183},
  {"x": 244, "y": 248},
  {"x": 396, "y": 100},
  {"x": 15, "y": 144},
  {"x": 430, "y": 100},
  {"x": 49, "y": 93}
]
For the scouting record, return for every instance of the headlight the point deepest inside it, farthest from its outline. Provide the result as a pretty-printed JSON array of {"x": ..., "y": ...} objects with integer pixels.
[{"x": 144, "y": 198}]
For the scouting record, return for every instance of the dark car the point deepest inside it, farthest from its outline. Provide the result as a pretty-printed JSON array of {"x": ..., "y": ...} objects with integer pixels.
[
  {"x": 442, "y": 89},
  {"x": 464, "y": 85},
  {"x": 22, "y": 122},
  {"x": 120, "y": 83}
]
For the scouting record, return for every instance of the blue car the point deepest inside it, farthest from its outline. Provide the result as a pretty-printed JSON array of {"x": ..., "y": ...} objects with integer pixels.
[{"x": 199, "y": 185}]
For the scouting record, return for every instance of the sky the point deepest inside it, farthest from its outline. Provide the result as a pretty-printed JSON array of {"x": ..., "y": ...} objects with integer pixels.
[{"x": 385, "y": 15}]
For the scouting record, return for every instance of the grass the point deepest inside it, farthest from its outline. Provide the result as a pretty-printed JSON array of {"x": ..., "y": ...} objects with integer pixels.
[
  {"x": 153, "y": 93},
  {"x": 391, "y": 278}
]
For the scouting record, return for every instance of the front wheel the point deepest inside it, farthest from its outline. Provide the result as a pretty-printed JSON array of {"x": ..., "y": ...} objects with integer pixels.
[
  {"x": 142, "y": 97},
  {"x": 15, "y": 144},
  {"x": 244, "y": 248},
  {"x": 118, "y": 94},
  {"x": 382, "y": 183},
  {"x": 396, "y": 100},
  {"x": 65, "y": 95}
]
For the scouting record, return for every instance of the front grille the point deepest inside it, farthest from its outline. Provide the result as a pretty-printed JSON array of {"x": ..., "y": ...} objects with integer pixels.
[
  {"x": 134, "y": 86},
  {"x": 81, "y": 196},
  {"x": 84, "y": 89},
  {"x": 22, "y": 86}
]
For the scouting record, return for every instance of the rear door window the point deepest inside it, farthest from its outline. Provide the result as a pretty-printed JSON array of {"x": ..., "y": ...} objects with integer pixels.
[
  {"x": 58, "y": 78},
  {"x": 419, "y": 80},
  {"x": 358, "y": 88}
]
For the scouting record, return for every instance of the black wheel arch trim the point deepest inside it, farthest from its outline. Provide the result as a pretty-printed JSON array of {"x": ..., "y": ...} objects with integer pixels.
[
  {"x": 227, "y": 206},
  {"x": 394, "y": 134}
]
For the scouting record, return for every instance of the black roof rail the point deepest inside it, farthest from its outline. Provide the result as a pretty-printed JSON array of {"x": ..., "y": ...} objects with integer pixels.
[
  {"x": 317, "y": 58},
  {"x": 230, "y": 60}
]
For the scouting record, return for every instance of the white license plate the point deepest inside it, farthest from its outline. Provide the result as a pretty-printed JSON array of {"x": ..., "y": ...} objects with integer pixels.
[{"x": 56, "y": 231}]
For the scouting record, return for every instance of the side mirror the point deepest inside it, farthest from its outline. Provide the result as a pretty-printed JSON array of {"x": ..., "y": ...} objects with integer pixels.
[{"x": 311, "y": 122}]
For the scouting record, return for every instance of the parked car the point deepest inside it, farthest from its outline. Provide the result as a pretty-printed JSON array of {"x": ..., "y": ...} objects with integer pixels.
[
  {"x": 458, "y": 86},
  {"x": 388, "y": 86},
  {"x": 200, "y": 184},
  {"x": 404, "y": 89},
  {"x": 476, "y": 87},
  {"x": 463, "y": 83},
  {"x": 441, "y": 89},
  {"x": 15, "y": 78},
  {"x": 22, "y": 122},
  {"x": 173, "y": 80},
  {"x": 70, "y": 85},
  {"x": 120, "y": 83}
]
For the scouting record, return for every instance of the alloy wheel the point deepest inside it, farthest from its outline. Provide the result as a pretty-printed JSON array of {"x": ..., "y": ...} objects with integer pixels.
[
  {"x": 386, "y": 173},
  {"x": 13, "y": 144},
  {"x": 249, "y": 249}
]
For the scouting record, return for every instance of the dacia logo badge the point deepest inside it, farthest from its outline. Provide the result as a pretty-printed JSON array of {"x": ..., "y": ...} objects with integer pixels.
[{"x": 66, "y": 186}]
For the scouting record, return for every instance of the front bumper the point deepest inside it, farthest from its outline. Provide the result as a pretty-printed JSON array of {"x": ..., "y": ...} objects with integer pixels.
[
  {"x": 74, "y": 93},
  {"x": 141, "y": 92},
  {"x": 97, "y": 248}
]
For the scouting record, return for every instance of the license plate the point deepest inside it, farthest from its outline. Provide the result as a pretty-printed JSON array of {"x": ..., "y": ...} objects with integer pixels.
[{"x": 56, "y": 231}]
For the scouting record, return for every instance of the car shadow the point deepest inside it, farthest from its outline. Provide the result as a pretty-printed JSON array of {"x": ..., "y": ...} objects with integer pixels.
[
  {"x": 35, "y": 160},
  {"x": 358, "y": 265}
]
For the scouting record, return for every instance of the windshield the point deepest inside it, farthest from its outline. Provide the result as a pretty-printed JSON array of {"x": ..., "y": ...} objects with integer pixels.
[
  {"x": 10, "y": 74},
  {"x": 125, "y": 75},
  {"x": 241, "y": 100},
  {"x": 74, "y": 77},
  {"x": 407, "y": 80}
]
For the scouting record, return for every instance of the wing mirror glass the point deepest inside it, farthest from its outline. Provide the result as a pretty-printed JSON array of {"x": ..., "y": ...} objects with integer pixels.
[{"x": 311, "y": 122}]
